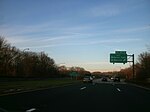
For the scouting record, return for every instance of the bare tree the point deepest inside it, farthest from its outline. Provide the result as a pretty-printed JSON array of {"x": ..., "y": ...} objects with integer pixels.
[
  {"x": 143, "y": 65},
  {"x": 14, "y": 62}
]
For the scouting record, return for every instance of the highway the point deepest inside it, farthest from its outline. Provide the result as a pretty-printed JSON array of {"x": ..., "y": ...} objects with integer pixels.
[{"x": 84, "y": 97}]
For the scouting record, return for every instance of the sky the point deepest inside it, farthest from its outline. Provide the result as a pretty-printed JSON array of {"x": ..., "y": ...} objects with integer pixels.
[{"x": 79, "y": 33}]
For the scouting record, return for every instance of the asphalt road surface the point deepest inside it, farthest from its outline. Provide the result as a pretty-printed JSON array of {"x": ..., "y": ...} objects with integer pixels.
[{"x": 90, "y": 97}]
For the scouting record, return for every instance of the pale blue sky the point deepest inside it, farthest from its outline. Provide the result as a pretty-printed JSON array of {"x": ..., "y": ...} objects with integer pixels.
[{"x": 78, "y": 32}]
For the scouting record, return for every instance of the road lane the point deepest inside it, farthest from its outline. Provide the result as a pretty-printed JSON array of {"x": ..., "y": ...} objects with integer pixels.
[{"x": 99, "y": 97}]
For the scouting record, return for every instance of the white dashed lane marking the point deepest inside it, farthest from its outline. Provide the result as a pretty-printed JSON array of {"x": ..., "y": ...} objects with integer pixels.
[
  {"x": 118, "y": 89},
  {"x": 82, "y": 88},
  {"x": 30, "y": 110}
]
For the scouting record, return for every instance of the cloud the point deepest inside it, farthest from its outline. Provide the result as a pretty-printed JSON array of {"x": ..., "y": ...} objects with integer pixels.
[
  {"x": 93, "y": 63},
  {"x": 40, "y": 44},
  {"x": 134, "y": 29},
  {"x": 105, "y": 10},
  {"x": 114, "y": 41},
  {"x": 51, "y": 30},
  {"x": 55, "y": 34},
  {"x": 34, "y": 33}
]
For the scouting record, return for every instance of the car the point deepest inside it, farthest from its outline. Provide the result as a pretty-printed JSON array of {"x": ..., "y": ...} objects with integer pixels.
[
  {"x": 112, "y": 78},
  {"x": 87, "y": 79},
  {"x": 104, "y": 79},
  {"x": 117, "y": 79}
]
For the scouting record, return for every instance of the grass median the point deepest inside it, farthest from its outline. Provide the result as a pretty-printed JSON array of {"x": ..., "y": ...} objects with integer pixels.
[{"x": 20, "y": 85}]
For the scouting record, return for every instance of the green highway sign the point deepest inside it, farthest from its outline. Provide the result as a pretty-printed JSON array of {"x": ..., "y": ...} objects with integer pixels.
[
  {"x": 118, "y": 57},
  {"x": 120, "y": 52},
  {"x": 121, "y": 57}
]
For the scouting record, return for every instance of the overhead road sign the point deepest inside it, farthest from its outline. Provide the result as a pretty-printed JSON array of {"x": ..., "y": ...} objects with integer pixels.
[
  {"x": 121, "y": 57},
  {"x": 118, "y": 57}
]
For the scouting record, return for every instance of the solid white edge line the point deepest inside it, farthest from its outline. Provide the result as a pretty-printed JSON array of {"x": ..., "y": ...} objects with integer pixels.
[
  {"x": 135, "y": 85},
  {"x": 33, "y": 90},
  {"x": 3, "y": 110},
  {"x": 30, "y": 110},
  {"x": 82, "y": 88}
]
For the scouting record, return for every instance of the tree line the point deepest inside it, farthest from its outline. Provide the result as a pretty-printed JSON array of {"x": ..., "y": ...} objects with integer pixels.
[
  {"x": 22, "y": 63},
  {"x": 142, "y": 67},
  {"x": 14, "y": 62}
]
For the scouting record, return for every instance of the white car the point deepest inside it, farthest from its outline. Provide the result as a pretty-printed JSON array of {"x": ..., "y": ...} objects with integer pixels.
[{"x": 88, "y": 79}]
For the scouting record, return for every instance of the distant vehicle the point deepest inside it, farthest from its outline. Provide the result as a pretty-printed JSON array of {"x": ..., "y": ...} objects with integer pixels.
[
  {"x": 87, "y": 79},
  {"x": 112, "y": 78},
  {"x": 93, "y": 76},
  {"x": 117, "y": 79},
  {"x": 104, "y": 79}
]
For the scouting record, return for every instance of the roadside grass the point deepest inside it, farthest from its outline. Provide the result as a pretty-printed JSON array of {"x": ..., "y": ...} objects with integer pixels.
[
  {"x": 140, "y": 83},
  {"x": 33, "y": 84}
]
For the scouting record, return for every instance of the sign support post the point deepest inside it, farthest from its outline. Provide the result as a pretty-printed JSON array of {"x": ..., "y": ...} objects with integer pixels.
[
  {"x": 133, "y": 67},
  {"x": 121, "y": 57}
]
